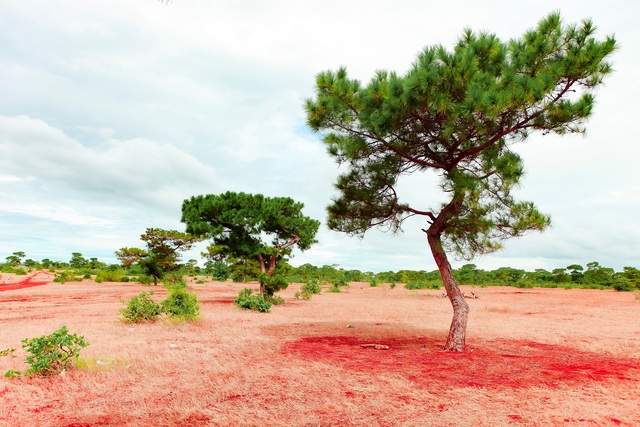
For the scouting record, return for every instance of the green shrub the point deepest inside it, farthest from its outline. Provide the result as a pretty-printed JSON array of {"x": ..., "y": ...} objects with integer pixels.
[
  {"x": 109, "y": 275},
  {"x": 623, "y": 285},
  {"x": 64, "y": 276},
  {"x": 124, "y": 279},
  {"x": 50, "y": 354},
  {"x": 312, "y": 287},
  {"x": 145, "y": 279},
  {"x": 303, "y": 295},
  {"x": 174, "y": 281},
  {"x": 308, "y": 289},
  {"x": 181, "y": 304},
  {"x": 140, "y": 308},
  {"x": 249, "y": 301},
  {"x": 274, "y": 299},
  {"x": 423, "y": 284},
  {"x": 334, "y": 289}
]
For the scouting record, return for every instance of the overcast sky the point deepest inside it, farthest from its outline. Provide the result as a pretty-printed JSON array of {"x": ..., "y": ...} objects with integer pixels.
[{"x": 113, "y": 112}]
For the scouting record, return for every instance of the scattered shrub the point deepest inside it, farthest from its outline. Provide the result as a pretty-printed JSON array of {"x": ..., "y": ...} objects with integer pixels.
[
  {"x": 64, "y": 277},
  {"x": 334, "y": 289},
  {"x": 109, "y": 275},
  {"x": 140, "y": 308},
  {"x": 249, "y": 301},
  {"x": 124, "y": 279},
  {"x": 274, "y": 299},
  {"x": 308, "y": 289},
  {"x": 312, "y": 287},
  {"x": 423, "y": 284},
  {"x": 623, "y": 285},
  {"x": 181, "y": 304},
  {"x": 174, "y": 281},
  {"x": 303, "y": 295},
  {"x": 50, "y": 354},
  {"x": 373, "y": 282}
]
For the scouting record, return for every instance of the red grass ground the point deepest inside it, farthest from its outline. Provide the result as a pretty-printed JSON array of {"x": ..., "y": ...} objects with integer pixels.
[{"x": 540, "y": 357}]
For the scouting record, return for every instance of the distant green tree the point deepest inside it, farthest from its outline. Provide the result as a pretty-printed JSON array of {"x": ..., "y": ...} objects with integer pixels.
[
  {"x": 457, "y": 113},
  {"x": 596, "y": 274},
  {"x": 240, "y": 225},
  {"x": 15, "y": 259},
  {"x": 78, "y": 260},
  {"x": 129, "y": 256},
  {"x": 162, "y": 255},
  {"x": 575, "y": 270}
]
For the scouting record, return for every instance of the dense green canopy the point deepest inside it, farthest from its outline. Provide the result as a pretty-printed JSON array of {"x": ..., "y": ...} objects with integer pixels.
[{"x": 240, "y": 225}]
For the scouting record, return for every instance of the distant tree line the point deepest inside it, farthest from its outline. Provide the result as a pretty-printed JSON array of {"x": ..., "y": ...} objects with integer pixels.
[{"x": 591, "y": 276}]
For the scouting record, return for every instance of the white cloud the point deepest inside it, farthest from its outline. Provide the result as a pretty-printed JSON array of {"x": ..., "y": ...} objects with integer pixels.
[{"x": 113, "y": 112}]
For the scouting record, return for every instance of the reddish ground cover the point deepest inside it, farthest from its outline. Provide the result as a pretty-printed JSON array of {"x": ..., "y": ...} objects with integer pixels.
[
  {"x": 538, "y": 357},
  {"x": 488, "y": 364},
  {"x": 38, "y": 278}
]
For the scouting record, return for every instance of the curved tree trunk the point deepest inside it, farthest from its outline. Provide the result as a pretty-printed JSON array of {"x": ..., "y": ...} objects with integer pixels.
[{"x": 458, "y": 330}]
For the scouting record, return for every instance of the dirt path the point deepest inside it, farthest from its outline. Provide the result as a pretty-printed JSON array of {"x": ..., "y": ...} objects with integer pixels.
[{"x": 35, "y": 279}]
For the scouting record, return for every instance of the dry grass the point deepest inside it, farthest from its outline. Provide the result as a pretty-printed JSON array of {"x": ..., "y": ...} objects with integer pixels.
[{"x": 537, "y": 357}]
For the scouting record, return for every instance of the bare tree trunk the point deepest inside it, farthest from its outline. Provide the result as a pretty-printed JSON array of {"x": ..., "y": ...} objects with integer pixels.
[
  {"x": 458, "y": 330},
  {"x": 272, "y": 265},
  {"x": 262, "y": 270}
]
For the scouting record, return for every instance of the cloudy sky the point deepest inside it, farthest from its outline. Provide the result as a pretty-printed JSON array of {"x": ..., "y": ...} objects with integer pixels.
[{"x": 113, "y": 112}]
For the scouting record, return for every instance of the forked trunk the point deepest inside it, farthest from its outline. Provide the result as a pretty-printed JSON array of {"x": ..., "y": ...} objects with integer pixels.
[
  {"x": 458, "y": 330},
  {"x": 272, "y": 265}
]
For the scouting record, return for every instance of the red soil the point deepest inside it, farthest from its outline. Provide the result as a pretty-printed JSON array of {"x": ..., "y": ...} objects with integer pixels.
[
  {"x": 488, "y": 364},
  {"x": 29, "y": 282}
]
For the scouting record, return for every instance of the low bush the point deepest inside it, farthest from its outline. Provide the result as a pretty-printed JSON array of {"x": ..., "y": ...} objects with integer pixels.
[
  {"x": 308, "y": 289},
  {"x": 274, "y": 299},
  {"x": 181, "y": 304},
  {"x": 50, "y": 354},
  {"x": 423, "y": 284},
  {"x": 250, "y": 301},
  {"x": 64, "y": 277},
  {"x": 109, "y": 275},
  {"x": 140, "y": 308},
  {"x": 312, "y": 287}
]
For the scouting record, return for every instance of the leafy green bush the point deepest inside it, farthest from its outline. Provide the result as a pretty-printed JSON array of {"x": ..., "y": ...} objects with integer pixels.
[
  {"x": 334, "y": 289},
  {"x": 303, "y": 295},
  {"x": 181, "y": 304},
  {"x": 50, "y": 354},
  {"x": 124, "y": 279},
  {"x": 423, "y": 284},
  {"x": 249, "y": 301},
  {"x": 308, "y": 289},
  {"x": 274, "y": 299},
  {"x": 109, "y": 275},
  {"x": 272, "y": 284},
  {"x": 174, "y": 281},
  {"x": 140, "y": 308},
  {"x": 312, "y": 287},
  {"x": 64, "y": 276},
  {"x": 623, "y": 285},
  {"x": 221, "y": 271}
]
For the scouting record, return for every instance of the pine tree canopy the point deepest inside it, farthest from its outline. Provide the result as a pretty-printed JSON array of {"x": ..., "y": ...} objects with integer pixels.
[{"x": 457, "y": 112}]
